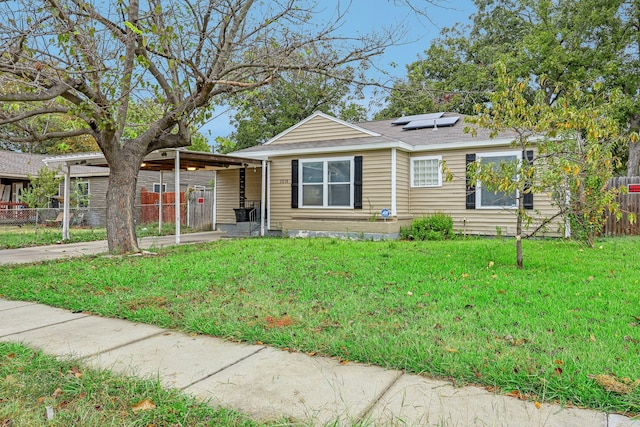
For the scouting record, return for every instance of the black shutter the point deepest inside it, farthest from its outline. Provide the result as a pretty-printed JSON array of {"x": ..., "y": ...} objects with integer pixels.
[
  {"x": 528, "y": 196},
  {"x": 357, "y": 183},
  {"x": 471, "y": 184},
  {"x": 294, "y": 183}
]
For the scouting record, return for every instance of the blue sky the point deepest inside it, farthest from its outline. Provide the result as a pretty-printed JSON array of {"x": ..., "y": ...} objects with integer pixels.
[{"x": 365, "y": 16}]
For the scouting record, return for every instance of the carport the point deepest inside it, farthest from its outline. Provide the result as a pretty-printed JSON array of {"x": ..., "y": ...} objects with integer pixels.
[{"x": 161, "y": 160}]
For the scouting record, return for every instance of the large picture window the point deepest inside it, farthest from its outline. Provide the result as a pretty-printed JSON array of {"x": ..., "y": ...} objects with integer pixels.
[
  {"x": 327, "y": 183},
  {"x": 426, "y": 171},
  {"x": 496, "y": 199}
]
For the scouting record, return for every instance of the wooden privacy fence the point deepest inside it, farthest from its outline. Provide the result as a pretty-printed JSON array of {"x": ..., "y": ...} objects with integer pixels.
[
  {"x": 150, "y": 207},
  {"x": 628, "y": 203},
  {"x": 200, "y": 211}
]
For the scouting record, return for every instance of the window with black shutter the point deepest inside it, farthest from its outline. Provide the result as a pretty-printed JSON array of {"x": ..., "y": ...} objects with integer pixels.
[{"x": 471, "y": 184}]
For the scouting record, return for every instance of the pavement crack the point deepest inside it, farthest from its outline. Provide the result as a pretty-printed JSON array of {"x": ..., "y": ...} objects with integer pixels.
[
  {"x": 223, "y": 368},
  {"x": 367, "y": 411},
  {"x": 44, "y": 326},
  {"x": 106, "y": 350}
]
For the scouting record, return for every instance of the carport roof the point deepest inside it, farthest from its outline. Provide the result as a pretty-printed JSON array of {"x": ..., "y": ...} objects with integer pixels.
[{"x": 162, "y": 160}]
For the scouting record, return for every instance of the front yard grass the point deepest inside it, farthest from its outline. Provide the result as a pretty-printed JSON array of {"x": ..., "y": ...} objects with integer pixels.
[
  {"x": 564, "y": 329},
  {"x": 12, "y": 237}
]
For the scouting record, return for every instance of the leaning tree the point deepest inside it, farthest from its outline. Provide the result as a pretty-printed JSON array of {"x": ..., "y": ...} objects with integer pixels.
[{"x": 91, "y": 61}]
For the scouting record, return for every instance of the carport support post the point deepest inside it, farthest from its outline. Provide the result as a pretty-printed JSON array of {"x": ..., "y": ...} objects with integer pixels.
[
  {"x": 160, "y": 207},
  {"x": 65, "y": 207},
  {"x": 177, "y": 193},
  {"x": 214, "y": 218},
  {"x": 263, "y": 196}
]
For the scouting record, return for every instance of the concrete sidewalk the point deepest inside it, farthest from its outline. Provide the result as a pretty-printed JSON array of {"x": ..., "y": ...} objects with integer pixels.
[
  {"x": 68, "y": 250},
  {"x": 268, "y": 384}
]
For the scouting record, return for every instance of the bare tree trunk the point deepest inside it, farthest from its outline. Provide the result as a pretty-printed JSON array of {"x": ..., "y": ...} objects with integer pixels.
[
  {"x": 121, "y": 229},
  {"x": 633, "y": 164},
  {"x": 519, "y": 218}
]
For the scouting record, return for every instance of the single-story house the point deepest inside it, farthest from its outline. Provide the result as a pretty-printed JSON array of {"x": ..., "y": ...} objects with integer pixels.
[{"x": 325, "y": 176}]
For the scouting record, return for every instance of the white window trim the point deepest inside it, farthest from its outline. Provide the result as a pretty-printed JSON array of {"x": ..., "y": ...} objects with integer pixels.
[
  {"x": 325, "y": 182},
  {"x": 412, "y": 172},
  {"x": 76, "y": 184},
  {"x": 479, "y": 157}
]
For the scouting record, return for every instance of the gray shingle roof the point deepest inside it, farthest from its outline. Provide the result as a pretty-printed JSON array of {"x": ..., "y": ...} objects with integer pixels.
[
  {"x": 419, "y": 138},
  {"x": 20, "y": 165}
]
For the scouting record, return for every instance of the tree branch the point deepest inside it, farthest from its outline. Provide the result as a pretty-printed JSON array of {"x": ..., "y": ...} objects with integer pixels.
[
  {"x": 51, "y": 93},
  {"x": 7, "y": 119}
]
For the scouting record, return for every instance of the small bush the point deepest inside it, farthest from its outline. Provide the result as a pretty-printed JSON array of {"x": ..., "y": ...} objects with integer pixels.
[{"x": 438, "y": 226}]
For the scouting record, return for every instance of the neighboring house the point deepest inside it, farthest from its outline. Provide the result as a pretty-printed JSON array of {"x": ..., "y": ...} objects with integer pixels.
[
  {"x": 325, "y": 176},
  {"x": 90, "y": 183},
  {"x": 15, "y": 169}
]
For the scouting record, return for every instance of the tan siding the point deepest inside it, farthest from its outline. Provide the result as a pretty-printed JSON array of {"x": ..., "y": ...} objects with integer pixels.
[
  {"x": 376, "y": 190},
  {"x": 402, "y": 183},
  {"x": 376, "y": 181},
  {"x": 450, "y": 199},
  {"x": 319, "y": 129},
  {"x": 253, "y": 185},
  {"x": 228, "y": 192},
  {"x": 227, "y": 195}
]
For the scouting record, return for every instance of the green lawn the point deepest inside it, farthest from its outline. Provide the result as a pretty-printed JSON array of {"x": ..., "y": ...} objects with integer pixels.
[
  {"x": 28, "y": 235},
  {"x": 566, "y": 329},
  {"x": 38, "y": 390}
]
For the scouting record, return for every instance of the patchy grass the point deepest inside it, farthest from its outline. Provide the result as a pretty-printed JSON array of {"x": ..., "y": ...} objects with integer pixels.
[
  {"x": 458, "y": 310},
  {"x": 28, "y": 235},
  {"x": 38, "y": 390},
  {"x": 25, "y": 236}
]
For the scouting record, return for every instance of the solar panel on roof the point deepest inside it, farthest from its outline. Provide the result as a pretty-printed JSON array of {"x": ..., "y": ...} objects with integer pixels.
[
  {"x": 407, "y": 119},
  {"x": 433, "y": 123}
]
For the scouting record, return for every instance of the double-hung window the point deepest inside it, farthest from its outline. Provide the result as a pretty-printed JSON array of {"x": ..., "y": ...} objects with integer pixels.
[
  {"x": 327, "y": 183},
  {"x": 426, "y": 171},
  {"x": 497, "y": 199},
  {"x": 156, "y": 187},
  {"x": 80, "y": 194}
]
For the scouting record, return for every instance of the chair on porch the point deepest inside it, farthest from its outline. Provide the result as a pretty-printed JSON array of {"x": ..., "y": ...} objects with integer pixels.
[{"x": 58, "y": 220}]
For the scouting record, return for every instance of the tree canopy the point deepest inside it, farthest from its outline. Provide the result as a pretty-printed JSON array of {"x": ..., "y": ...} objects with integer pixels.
[
  {"x": 91, "y": 61},
  {"x": 550, "y": 43},
  {"x": 295, "y": 95}
]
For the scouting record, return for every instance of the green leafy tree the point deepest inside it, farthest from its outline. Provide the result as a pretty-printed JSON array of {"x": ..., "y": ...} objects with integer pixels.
[
  {"x": 92, "y": 61},
  {"x": 295, "y": 95},
  {"x": 42, "y": 188},
  {"x": 550, "y": 42},
  {"x": 574, "y": 143},
  {"x": 579, "y": 159}
]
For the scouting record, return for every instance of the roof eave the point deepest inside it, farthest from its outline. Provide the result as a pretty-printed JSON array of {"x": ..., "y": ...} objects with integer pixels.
[{"x": 266, "y": 155}]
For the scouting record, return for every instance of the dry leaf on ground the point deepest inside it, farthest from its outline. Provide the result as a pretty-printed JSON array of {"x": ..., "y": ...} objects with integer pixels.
[
  {"x": 144, "y": 405},
  {"x": 615, "y": 385}
]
